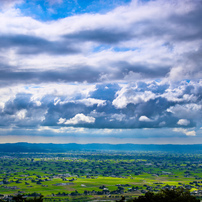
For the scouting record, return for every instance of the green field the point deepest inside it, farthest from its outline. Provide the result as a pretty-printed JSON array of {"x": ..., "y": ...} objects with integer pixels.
[{"x": 97, "y": 175}]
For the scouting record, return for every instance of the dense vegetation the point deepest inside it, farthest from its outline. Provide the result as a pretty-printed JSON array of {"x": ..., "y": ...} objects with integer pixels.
[
  {"x": 97, "y": 175},
  {"x": 177, "y": 195}
]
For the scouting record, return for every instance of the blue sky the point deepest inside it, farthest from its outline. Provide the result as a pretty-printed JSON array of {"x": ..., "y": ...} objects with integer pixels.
[
  {"x": 54, "y": 10},
  {"x": 101, "y": 71}
]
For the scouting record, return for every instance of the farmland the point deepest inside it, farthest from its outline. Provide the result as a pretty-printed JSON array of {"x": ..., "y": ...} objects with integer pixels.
[{"x": 97, "y": 175}]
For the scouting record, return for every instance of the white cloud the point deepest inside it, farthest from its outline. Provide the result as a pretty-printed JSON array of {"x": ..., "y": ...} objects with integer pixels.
[
  {"x": 61, "y": 130},
  {"x": 107, "y": 131},
  {"x": 129, "y": 95},
  {"x": 57, "y": 90},
  {"x": 177, "y": 91},
  {"x": 163, "y": 123},
  {"x": 188, "y": 111},
  {"x": 21, "y": 114},
  {"x": 94, "y": 113},
  {"x": 145, "y": 119},
  {"x": 61, "y": 121},
  {"x": 118, "y": 117},
  {"x": 185, "y": 131},
  {"x": 80, "y": 119},
  {"x": 92, "y": 101},
  {"x": 183, "y": 122}
]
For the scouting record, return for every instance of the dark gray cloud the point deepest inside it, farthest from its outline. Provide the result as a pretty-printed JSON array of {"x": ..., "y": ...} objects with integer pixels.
[
  {"x": 89, "y": 73},
  {"x": 146, "y": 70},
  {"x": 188, "y": 22},
  {"x": 9, "y": 77},
  {"x": 106, "y": 36},
  {"x": 26, "y": 44}
]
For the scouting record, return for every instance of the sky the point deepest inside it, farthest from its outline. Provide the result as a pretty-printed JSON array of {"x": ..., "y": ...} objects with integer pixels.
[{"x": 101, "y": 71}]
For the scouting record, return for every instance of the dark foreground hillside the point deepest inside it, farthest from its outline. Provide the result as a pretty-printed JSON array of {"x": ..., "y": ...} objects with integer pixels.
[{"x": 175, "y": 195}]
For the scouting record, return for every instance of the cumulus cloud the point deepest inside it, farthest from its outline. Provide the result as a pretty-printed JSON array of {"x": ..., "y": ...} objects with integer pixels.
[
  {"x": 92, "y": 101},
  {"x": 183, "y": 122},
  {"x": 61, "y": 121},
  {"x": 130, "y": 95},
  {"x": 117, "y": 117},
  {"x": 191, "y": 111},
  {"x": 137, "y": 105},
  {"x": 21, "y": 114},
  {"x": 145, "y": 119},
  {"x": 80, "y": 119}
]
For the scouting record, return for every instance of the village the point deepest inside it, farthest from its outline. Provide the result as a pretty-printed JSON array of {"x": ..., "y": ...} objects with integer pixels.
[{"x": 94, "y": 174}]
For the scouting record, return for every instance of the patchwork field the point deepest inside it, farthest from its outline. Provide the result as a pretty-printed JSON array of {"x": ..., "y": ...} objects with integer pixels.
[{"x": 93, "y": 175}]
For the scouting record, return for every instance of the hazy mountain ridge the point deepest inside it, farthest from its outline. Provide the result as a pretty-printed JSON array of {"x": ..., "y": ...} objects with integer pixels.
[{"x": 50, "y": 147}]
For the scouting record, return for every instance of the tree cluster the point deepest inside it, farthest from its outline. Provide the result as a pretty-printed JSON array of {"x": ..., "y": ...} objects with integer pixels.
[{"x": 174, "y": 195}]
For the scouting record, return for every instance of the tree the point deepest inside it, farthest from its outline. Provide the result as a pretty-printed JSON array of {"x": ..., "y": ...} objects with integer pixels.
[
  {"x": 21, "y": 198},
  {"x": 174, "y": 195}
]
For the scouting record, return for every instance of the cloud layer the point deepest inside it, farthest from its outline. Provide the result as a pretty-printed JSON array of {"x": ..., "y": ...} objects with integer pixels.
[
  {"x": 137, "y": 41},
  {"x": 135, "y": 105},
  {"x": 133, "y": 65}
]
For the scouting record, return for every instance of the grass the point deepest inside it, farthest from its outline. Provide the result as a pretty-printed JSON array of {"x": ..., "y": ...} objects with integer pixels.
[{"x": 92, "y": 184}]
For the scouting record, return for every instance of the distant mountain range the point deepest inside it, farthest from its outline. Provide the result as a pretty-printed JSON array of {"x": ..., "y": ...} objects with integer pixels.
[{"x": 41, "y": 147}]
